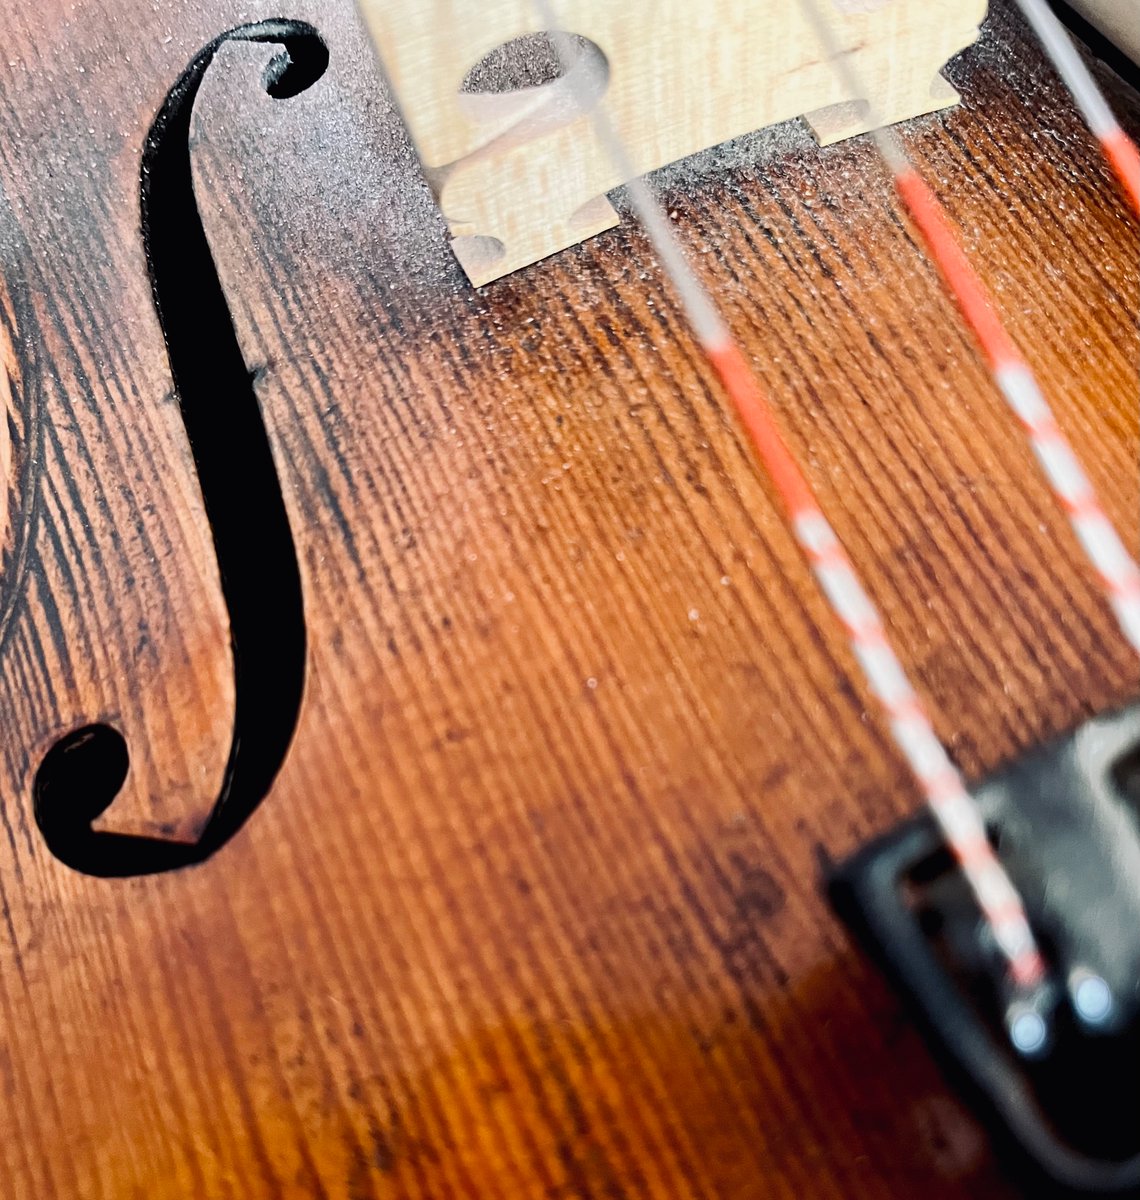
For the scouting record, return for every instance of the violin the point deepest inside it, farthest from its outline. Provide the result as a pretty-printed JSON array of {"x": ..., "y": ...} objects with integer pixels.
[{"x": 422, "y": 743}]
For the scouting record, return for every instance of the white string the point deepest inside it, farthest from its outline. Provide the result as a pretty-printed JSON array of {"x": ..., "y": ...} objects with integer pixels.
[
  {"x": 885, "y": 139},
  {"x": 951, "y": 803},
  {"x": 1066, "y": 58},
  {"x": 706, "y": 321}
]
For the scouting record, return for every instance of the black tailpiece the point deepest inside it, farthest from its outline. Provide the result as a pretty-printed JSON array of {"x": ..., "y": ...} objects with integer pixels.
[{"x": 1058, "y": 1077}]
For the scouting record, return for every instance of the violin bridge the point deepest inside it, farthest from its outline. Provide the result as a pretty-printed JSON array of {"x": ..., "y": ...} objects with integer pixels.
[
  {"x": 502, "y": 122},
  {"x": 838, "y": 122}
]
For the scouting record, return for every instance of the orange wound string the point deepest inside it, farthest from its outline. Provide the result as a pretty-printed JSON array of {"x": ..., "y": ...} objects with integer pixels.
[
  {"x": 756, "y": 416},
  {"x": 953, "y": 807},
  {"x": 1124, "y": 155},
  {"x": 945, "y": 791},
  {"x": 960, "y": 277},
  {"x": 1118, "y": 147},
  {"x": 1117, "y": 569}
]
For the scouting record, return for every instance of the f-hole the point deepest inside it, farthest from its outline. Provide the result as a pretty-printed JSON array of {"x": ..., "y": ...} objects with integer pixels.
[{"x": 261, "y": 581}]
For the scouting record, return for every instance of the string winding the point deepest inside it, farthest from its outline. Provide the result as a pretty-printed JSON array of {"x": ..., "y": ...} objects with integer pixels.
[
  {"x": 1120, "y": 150},
  {"x": 1118, "y": 571},
  {"x": 953, "y": 807}
]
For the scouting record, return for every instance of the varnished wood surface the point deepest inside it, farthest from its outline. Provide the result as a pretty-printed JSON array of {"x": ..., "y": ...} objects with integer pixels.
[{"x": 533, "y": 910}]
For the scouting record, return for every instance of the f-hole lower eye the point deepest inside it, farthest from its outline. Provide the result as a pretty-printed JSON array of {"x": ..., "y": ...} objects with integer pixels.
[{"x": 85, "y": 769}]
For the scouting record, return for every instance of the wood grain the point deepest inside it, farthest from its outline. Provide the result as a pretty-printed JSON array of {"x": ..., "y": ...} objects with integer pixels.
[
  {"x": 7, "y": 462},
  {"x": 19, "y": 449},
  {"x": 533, "y": 910}
]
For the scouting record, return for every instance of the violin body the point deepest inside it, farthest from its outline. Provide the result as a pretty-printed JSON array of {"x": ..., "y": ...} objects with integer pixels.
[
  {"x": 517, "y": 166},
  {"x": 521, "y": 896}
]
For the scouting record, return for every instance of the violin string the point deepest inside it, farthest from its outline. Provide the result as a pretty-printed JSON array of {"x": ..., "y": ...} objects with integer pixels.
[
  {"x": 954, "y": 809},
  {"x": 1120, "y": 150},
  {"x": 1118, "y": 571}
]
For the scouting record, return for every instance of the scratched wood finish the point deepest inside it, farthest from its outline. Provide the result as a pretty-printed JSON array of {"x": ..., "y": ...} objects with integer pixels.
[{"x": 533, "y": 910}]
